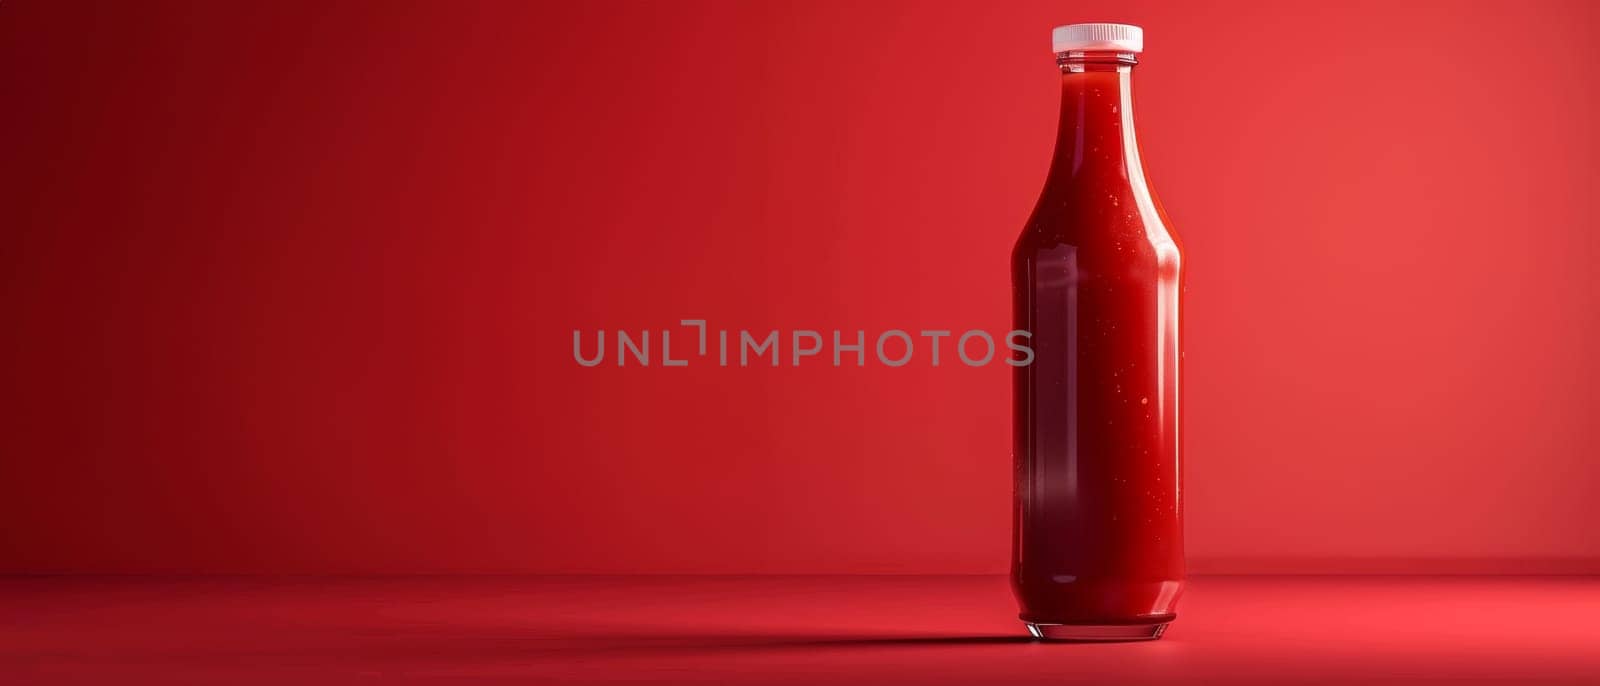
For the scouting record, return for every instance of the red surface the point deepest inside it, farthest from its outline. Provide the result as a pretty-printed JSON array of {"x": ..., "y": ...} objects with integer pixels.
[
  {"x": 799, "y": 630},
  {"x": 291, "y": 286}
]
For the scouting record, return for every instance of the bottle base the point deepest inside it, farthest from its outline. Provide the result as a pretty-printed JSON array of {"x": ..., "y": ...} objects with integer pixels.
[{"x": 1097, "y": 632}]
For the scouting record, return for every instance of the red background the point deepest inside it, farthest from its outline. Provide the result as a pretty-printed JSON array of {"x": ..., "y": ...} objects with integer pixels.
[{"x": 291, "y": 288}]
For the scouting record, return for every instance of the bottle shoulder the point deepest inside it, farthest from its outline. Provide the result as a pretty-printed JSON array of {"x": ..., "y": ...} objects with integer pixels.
[{"x": 1098, "y": 224}]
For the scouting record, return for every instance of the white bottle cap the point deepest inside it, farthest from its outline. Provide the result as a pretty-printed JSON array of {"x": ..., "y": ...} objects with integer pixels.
[{"x": 1109, "y": 37}]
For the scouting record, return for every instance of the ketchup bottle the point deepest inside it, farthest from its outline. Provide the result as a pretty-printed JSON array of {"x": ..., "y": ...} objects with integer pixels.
[{"x": 1097, "y": 279}]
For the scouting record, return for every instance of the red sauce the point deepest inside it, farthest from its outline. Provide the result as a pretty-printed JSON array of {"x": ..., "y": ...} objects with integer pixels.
[{"x": 1096, "y": 279}]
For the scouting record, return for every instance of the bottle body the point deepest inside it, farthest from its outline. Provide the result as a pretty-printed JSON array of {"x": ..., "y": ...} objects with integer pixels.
[{"x": 1097, "y": 280}]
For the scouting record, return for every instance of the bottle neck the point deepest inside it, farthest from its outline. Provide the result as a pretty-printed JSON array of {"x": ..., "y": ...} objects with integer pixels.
[{"x": 1095, "y": 136}]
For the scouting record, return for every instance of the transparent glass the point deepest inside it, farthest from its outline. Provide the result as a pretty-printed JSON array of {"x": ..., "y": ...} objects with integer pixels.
[{"x": 1097, "y": 279}]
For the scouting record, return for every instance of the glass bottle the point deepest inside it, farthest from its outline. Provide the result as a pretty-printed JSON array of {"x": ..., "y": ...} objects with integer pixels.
[{"x": 1097, "y": 280}]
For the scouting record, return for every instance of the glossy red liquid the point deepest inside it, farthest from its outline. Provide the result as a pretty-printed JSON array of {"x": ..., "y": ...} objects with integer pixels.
[{"x": 1096, "y": 279}]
